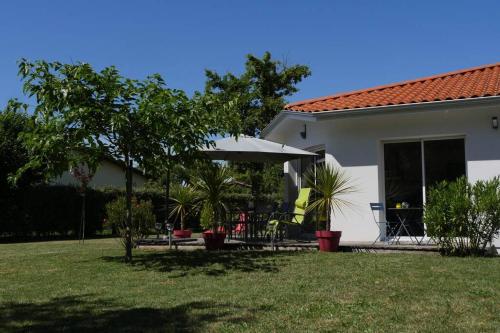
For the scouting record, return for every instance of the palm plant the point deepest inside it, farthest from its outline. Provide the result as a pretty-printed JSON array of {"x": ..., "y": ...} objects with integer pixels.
[
  {"x": 211, "y": 182},
  {"x": 329, "y": 184},
  {"x": 185, "y": 202}
]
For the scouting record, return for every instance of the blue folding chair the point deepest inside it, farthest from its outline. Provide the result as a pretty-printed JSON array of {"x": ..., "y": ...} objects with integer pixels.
[{"x": 378, "y": 207}]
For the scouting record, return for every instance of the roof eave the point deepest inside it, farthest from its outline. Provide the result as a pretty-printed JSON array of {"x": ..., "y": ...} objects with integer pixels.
[
  {"x": 307, "y": 116},
  {"x": 376, "y": 110}
]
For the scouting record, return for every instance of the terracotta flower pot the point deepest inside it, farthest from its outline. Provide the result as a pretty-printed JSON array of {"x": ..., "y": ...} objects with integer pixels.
[
  {"x": 328, "y": 240},
  {"x": 186, "y": 233},
  {"x": 214, "y": 241}
]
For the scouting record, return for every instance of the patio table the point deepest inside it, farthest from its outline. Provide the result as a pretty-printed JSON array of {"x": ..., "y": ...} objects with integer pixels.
[{"x": 403, "y": 224}]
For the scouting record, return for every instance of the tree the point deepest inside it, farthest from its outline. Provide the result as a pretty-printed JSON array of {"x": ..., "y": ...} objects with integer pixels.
[
  {"x": 82, "y": 115},
  {"x": 261, "y": 89},
  {"x": 13, "y": 155}
]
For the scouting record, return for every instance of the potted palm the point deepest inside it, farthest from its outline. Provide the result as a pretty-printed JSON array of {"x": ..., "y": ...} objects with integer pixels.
[
  {"x": 185, "y": 201},
  {"x": 329, "y": 184},
  {"x": 211, "y": 182}
]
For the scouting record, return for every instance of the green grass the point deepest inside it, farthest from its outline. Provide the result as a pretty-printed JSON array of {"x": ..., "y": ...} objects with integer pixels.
[{"x": 64, "y": 286}]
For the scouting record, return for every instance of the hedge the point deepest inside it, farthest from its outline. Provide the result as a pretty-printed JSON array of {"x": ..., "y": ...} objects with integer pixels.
[
  {"x": 48, "y": 211},
  {"x": 54, "y": 211}
]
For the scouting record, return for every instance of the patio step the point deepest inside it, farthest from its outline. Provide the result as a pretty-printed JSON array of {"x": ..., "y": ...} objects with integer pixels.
[{"x": 288, "y": 245}]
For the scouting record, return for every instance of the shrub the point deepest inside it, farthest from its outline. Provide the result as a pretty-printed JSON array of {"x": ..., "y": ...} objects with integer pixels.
[
  {"x": 185, "y": 203},
  {"x": 211, "y": 182},
  {"x": 143, "y": 219},
  {"x": 463, "y": 218}
]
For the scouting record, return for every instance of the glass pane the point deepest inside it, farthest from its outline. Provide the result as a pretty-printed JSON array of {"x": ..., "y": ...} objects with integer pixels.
[
  {"x": 307, "y": 163},
  {"x": 444, "y": 160},
  {"x": 403, "y": 184}
]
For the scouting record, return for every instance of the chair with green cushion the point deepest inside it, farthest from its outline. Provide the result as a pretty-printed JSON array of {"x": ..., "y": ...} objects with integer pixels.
[{"x": 295, "y": 218}]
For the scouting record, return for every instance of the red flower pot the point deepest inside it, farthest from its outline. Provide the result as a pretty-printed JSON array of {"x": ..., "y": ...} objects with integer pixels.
[
  {"x": 182, "y": 233},
  {"x": 328, "y": 240},
  {"x": 214, "y": 241}
]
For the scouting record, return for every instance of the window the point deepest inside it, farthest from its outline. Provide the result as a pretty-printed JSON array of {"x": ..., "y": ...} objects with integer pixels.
[{"x": 310, "y": 162}]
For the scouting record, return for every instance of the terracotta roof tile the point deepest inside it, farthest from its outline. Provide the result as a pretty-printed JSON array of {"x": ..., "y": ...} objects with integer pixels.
[{"x": 474, "y": 82}]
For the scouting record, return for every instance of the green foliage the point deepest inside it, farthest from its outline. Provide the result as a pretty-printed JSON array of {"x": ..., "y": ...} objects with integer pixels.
[
  {"x": 260, "y": 91},
  {"x": 185, "y": 201},
  {"x": 212, "y": 181},
  {"x": 49, "y": 211},
  {"x": 143, "y": 218},
  {"x": 13, "y": 153},
  {"x": 462, "y": 217},
  {"x": 82, "y": 115},
  {"x": 330, "y": 185},
  {"x": 207, "y": 217},
  {"x": 260, "y": 94}
]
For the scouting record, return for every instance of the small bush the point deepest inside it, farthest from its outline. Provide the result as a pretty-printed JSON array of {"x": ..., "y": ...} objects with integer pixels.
[
  {"x": 464, "y": 218},
  {"x": 143, "y": 219}
]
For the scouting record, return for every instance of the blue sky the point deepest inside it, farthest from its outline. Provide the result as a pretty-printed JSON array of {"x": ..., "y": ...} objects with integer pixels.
[{"x": 347, "y": 44}]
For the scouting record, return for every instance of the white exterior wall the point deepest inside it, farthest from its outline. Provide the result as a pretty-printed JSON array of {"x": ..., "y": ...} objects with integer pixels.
[
  {"x": 356, "y": 144},
  {"x": 108, "y": 174}
]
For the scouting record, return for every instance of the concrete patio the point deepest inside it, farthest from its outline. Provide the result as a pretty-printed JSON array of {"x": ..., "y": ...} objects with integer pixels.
[{"x": 287, "y": 245}]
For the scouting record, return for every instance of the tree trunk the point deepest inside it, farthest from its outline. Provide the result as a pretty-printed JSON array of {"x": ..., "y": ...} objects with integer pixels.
[
  {"x": 82, "y": 222},
  {"x": 167, "y": 196},
  {"x": 167, "y": 189},
  {"x": 128, "y": 231}
]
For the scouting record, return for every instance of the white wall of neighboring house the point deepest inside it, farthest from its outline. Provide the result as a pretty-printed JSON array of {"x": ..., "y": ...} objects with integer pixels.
[
  {"x": 108, "y": 174},
  {"x": 356, "y": 144}
]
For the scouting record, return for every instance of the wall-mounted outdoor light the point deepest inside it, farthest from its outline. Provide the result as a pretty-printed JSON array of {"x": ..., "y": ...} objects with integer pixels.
[
  {"x": 303, "y": 134},
  {"x": 494, "y": 122}
]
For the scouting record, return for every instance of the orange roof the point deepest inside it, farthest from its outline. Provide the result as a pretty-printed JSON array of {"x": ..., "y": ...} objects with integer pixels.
[{"x": 474, "y": 82}]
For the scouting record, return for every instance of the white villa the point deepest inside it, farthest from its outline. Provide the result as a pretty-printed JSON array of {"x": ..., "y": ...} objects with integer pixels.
[{"x": 396, "y": 140}]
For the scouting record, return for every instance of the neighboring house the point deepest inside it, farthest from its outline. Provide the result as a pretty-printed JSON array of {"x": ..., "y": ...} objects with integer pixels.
[
  {"x": 397, "y": 140},
  {"x": 109, "y": 174}
]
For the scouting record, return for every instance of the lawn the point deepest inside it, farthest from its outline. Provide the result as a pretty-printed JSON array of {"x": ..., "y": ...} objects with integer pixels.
[{"x": 65, "y": 286}]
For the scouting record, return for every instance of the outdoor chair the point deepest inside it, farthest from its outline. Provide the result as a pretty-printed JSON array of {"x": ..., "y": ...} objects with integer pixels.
[
  {"x": 297, "y": 217},
  {"x": 241, "y": 226},
  {"x": 377, "y": 207}
]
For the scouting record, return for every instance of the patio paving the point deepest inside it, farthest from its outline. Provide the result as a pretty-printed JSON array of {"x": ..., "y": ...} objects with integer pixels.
[{"x": 290, "y": 245}]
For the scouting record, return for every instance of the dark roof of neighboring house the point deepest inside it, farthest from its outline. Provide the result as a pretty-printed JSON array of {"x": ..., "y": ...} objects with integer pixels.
[{"x": 483, "y": 81}]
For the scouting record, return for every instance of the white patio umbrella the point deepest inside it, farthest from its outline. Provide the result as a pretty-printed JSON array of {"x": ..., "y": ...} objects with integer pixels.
[{"x": 250, "y": 149}]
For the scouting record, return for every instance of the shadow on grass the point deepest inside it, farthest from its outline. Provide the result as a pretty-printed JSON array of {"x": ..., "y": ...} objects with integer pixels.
[
  {"x": 209, "y": 263},
  {"x": 83, "y": 314}
]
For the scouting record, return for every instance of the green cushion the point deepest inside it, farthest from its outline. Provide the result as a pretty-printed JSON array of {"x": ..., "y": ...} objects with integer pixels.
[
  {"x": 301, "y": 203},
  {"x": 303, "y": 199}
]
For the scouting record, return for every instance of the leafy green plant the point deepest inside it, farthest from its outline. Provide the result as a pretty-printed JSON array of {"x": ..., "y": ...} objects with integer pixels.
[
  {"x": 212, "y": 182},
  {"x": 261, "y": 90},
  {"x": 329, "y": 184},
  {"x": 142, "y": 223},
  {"x": 185, "y": 203},
  {"x": 463, "y": 218},
  {"x": 82, "y": 115}
]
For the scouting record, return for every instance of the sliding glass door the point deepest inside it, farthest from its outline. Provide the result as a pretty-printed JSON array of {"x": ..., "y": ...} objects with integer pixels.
[
  {"x": 444, "y": 160},
  {"x": 412, "y": 167},
  {"x": 403, "y": 182}
]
